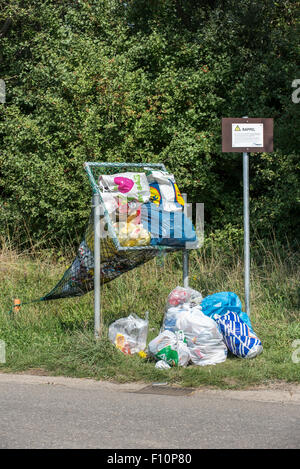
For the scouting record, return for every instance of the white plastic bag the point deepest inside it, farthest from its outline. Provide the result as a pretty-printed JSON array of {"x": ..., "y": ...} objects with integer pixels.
[
  {"x": 129, "y": 334},
  {"x": 170, "y": 348},
  {"x": 164, "y": 191},
  {"x": 204, "y": 340},
  {"x": 162, "y": 365},
  {"x": 171, "y": 315},
  {"x": 133, "y": 186},
  {"x": 110, "y": 202}
]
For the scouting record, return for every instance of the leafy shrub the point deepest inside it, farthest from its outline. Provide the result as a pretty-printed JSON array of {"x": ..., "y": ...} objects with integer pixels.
[{"x": 145, "y": 81}]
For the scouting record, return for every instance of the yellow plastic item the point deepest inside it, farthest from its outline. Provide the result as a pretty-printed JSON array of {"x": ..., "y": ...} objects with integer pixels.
[
  {"x": 130, "y": 234},
  {"x": 120, "y": 341},
  {"x": 122, "y": 345}
]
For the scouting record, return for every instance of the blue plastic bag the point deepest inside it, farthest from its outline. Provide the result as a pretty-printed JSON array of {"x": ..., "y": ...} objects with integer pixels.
[
  {"x": 167, "y": 228},
  {"x": 240, "y": 340},
  {"x": 220, "y": 303}
]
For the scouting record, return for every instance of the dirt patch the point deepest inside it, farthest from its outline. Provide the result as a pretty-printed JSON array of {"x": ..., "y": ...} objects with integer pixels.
[
  {"x": 275, "y": 385},
  {"x": 34, "y": 372}
]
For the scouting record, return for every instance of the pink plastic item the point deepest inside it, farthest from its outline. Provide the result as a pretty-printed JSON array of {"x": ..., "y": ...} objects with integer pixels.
[
  {"x": 124, "y": 184},
  {"x": 177, "y": 297}
]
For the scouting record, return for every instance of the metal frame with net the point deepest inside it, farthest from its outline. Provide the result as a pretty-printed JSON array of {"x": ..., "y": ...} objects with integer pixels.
[{"x": 115, "y": 258}]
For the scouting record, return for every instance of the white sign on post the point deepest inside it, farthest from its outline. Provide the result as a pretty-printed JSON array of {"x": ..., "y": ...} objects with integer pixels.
[{"x": 247, "y": 135}]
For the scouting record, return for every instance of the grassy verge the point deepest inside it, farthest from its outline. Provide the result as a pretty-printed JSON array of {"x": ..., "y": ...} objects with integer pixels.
[{"x": 57, "y": 336}]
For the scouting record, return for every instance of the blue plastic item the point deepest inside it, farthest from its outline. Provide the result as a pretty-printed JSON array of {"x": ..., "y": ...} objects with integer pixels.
[
  {"x": 167, "y": 228},
  {"x": 240, "y": 340},
  {"x": 222, "y": 302}
]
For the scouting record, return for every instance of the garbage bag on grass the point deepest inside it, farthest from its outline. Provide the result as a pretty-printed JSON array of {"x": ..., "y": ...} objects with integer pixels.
[
  {"x": 219, "y": 303},
  {"x": 170, "y": 348},
  {"x": 240, "y": 340},
  {"x": 129, "y": 334},
  {"x": 204, "y": 339},
  {"x": 171, "y": 315}
]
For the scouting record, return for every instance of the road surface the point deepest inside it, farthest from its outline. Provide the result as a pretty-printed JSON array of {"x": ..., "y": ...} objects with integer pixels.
[{"x": 57, "y": 412}]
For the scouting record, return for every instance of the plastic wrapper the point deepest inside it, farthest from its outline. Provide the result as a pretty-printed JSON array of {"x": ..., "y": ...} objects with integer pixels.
[
  {"x": 128, "y": 211},
  {"x": 129, "y": 334},
  {"x": 171, "y": 348},
  {"x": 110, "y": 202}
]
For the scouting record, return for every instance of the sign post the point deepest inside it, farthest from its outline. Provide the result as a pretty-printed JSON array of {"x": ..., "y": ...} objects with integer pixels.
[
  {"x": 97, "y": 265},
  {"x": 185, "y": 255},
  {"x": 245, "y": 135},
  {"x": 246, "y": 230}
]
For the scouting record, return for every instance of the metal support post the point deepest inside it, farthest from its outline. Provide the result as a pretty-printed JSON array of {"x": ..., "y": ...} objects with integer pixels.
[
  {"x": 246, "y": 230},
  {"x": 97, "y": 264},
  {"x": 185, "y": 254}
]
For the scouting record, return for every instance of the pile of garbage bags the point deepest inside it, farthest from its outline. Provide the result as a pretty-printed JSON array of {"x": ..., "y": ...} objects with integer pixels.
[
  {"x": 146, "y": 209},
  {"x": 195, "y": 330}
]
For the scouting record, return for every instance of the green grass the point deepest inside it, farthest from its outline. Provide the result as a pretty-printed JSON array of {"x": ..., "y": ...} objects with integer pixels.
[{"x": 57, "y": 336}]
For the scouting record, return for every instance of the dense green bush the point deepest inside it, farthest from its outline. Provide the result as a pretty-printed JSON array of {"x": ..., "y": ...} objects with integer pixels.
[{"x": 145, "y": 81}]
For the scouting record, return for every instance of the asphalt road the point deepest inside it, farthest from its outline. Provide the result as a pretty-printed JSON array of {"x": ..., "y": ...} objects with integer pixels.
[{"x": 48, "y": 412}]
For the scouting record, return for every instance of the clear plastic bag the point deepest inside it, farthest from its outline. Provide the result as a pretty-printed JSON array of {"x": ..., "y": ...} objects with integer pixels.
[
  {"x": 129, "y": 334},
  {"x": 182, "y": 295},
  {"x": 171, "y": 315},
  {"x": 179, "y": 300},
  {"x": 130, "y": 234}
]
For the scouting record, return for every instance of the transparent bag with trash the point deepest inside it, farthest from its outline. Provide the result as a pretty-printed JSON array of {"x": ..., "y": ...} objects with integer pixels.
[
  {"x": 182, "y": 295},
  {"x": 123, "y": 195},
  {"x": 126, "y": 219},
  {"x": 131, "y": 234},
  {"x": 129, "y": 334},
  {"x": 179, "y": 300},
  {"x": 171, "y": 348}
]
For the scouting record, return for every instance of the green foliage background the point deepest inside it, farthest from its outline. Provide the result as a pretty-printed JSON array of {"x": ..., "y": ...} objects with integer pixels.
[{"x": 145, "y": 81}]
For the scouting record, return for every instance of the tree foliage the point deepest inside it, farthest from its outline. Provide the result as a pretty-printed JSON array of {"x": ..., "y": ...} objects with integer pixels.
[{"x": 145, "y": 81}]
